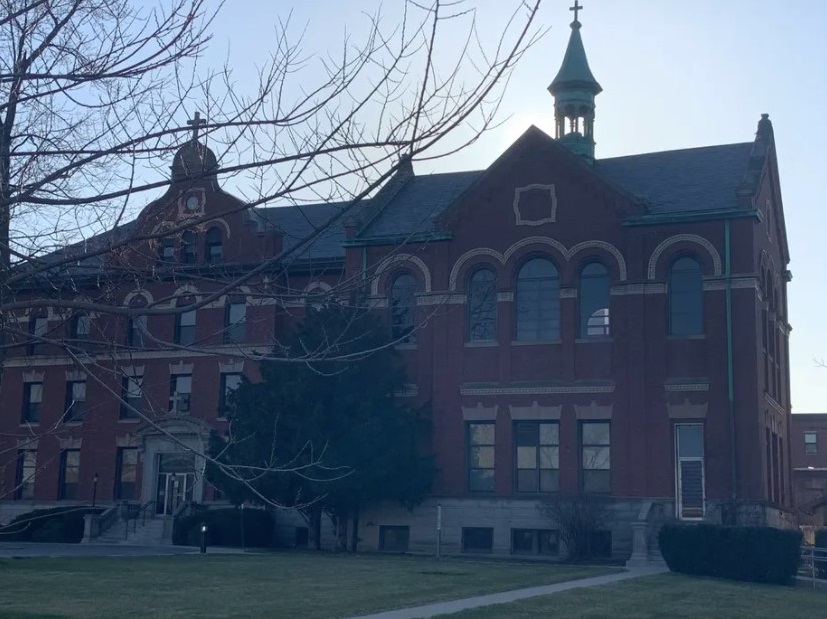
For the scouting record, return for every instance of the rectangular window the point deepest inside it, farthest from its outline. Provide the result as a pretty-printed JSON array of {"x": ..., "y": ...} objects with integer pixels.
[
  {"x": 185, "y": 328},
  {"x": 126, "y": 473},
  {"x": 69, "y": 469},
  {"x": 477, "y": 539},
  {"x": 38, "y": 327},
  {"x": 394, "y": 538},
  {"x": 235, "y": 323},
  {"x": 229, "y": 383},
  {"x": 810, "y": 443},
  {"x": 689, "y": 457},
  {"x": 481, "y": 457},
  {"x": 26, "y": 472},
  {"x": 32, "y": 398},
  {"x": 137, "y": 329},
  {"x": 166, "y": 251},
  {"x": 595, "y": 453},
  {"x": 600, "y": 544},
  {"x": 75, "y": 406},
  {"x": 132, "y": 395},
  {"x": 534, "y": 542},
  {"x": 538, "y": 456},
  {"x": 180, "y": 390}
]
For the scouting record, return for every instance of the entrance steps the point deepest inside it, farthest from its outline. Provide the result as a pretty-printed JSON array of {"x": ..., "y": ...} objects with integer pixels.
[{"x": 150, "y": 533}]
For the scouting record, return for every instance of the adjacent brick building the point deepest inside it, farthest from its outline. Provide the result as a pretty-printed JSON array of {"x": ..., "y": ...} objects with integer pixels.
[
  {"x": 808, "y": 441},
  {"x": 579, "y": 325}
]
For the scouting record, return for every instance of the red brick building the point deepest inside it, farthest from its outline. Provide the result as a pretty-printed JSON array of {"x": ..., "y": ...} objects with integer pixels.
[
  {"x": 580, "y": 325},
  {"x": 808, "y": 441}
]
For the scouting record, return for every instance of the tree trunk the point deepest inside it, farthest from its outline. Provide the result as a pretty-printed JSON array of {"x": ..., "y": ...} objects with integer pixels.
[
  {"x": 316, "y": 527},
  {"x": 341, "y": 530},
  {"x": 354, "y": 540}
]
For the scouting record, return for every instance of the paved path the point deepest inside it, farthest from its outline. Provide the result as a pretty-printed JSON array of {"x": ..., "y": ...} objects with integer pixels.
[
  {"x": 10, "y": 550},
  {"x": 455, "y": 606}
]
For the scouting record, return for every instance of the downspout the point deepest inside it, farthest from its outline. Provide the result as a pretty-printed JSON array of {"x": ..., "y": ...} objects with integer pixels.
[
  {"x": 730, "y": 370},
  {"x": 364, "y": 262}
]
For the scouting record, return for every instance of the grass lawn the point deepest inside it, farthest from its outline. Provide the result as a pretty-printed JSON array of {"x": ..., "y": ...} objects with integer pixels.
[
  {"x": 669, "y": 596},
  {"x": 276, "y": 586}
]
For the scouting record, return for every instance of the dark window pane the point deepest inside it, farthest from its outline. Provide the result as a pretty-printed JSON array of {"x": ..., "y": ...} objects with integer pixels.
[
  {"x": 481, "y": 480},
  {"x": 26, "y": 472},
  {"x": 32, "y": 398},
  {"x": 686, "y": 297},
  {"x": 596, "y": 433},
  {"x": 593, "y": 298},
  {"x": 549, "y": 480},
  {"x": 690, "y": 441},
  {"x": 522, "y": 540},
  {"x": 189, "y": 247},
  {"x": 538, "y": 301},
  {"x": 527, "y": 480},
  {"x": 215, "y": 248},
  {"x": 229, "y": 383},
  {"x": 393, "y": 538},
  {"x": 185, "y": 328},
  {"x": 597, "y": 481},
  {"x": 482, "y": 306},
  {"x": 235, "y": 323},
  {"x": 477, "y": 539},
  {"x": 69, "y": 469},
  {"x": 548, "y": 542},
  {"x": 403, "y": 307},
  {"x": 600, "y": 544},
  {"x": 75, "y": 401}
]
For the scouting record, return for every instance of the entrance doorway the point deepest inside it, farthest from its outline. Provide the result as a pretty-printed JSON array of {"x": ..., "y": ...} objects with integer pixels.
[{"x": 176, "y": 481}]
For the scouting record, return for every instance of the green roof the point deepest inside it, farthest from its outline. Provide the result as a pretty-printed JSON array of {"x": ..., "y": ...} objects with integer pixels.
[{"x": 575, "y": 70}]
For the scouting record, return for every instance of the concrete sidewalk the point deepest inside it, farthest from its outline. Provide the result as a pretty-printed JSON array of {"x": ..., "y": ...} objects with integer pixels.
[{"x": 455, "y": 606}]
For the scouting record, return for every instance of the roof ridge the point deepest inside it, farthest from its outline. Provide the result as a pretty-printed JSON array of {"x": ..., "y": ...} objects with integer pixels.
[{"x": 674, "y": 150}]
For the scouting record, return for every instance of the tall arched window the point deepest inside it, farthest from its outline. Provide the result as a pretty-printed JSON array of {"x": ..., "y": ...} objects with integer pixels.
[
  {"x": 189, "y": 249},
  {"x": 80, "y": 330},
  {"x": 403, "y": 307},
  {"x": 482, "y": 306},
  {"x": 215, "y": 247},
  {"x": 593, "y": 296},
  {"x": 538, "y": 301},
  {"x": 686, "y": 297}
]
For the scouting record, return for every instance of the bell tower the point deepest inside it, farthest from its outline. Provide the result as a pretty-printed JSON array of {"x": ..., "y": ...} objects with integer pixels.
[{"x": 574, "y": 90}]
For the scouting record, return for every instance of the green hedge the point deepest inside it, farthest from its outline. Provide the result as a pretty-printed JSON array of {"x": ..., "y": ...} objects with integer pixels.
[
  {"x": 224, "y": 528},
  {"x": 757, "y": 554},
  {"x": 821, "y": 542},
  {"x": 53, "y": 525}
]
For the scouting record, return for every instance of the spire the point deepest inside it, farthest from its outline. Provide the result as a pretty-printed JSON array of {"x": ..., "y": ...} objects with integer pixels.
[{"x": 574, "y": 90}]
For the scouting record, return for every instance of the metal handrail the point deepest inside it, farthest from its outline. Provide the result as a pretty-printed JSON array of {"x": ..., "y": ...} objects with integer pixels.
[
  {"x": 813, "y": 559},
  {"x": 144, "y": 509}
]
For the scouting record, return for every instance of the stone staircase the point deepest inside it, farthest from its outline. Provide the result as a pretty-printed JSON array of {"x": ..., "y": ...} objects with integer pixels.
[{"x": 150, "y": 533}]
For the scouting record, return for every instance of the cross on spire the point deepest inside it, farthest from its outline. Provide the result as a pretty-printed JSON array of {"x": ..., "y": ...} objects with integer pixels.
[
  {"x": 195, "y": 123},
  {"x": 576, "y": 8}
]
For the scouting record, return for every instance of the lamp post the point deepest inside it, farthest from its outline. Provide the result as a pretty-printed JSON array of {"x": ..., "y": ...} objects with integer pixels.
[
  {"x": 243, "y": 545},
  {"x": 439, "y": 531},
  {"x": 94, "y": 489},
  {"x": 203, "y": 537}
]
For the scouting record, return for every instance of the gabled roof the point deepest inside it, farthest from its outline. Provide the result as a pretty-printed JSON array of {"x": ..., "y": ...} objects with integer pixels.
[
  {"x": 681, "y": 181},
  {"x": 691, "y": 180},
  {"x": 416, "y": 205},
  {"x": 297, "y": 222}
]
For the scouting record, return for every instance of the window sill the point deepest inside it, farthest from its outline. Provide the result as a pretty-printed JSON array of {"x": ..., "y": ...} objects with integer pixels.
[
  {"x": 534, "y": 342},
  {"x": 603, "y": 339},
  {"x": 482, "y": 344},
  {"x": 405, "y": 346},
  {"x": 129, "y": 420},
  {"x": 685, "y": 337},
  {"x": 29, "y": 424},
  {"x": 73, "y": 423}
]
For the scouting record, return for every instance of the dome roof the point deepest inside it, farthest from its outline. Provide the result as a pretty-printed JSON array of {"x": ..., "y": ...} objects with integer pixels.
[{"x": 194, "y": 161}]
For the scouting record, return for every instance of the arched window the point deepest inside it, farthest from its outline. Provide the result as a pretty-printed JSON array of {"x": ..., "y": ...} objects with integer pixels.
[
  {"x": 215, "y": 247},
  {"x": 482, "y": 306},
  {"x": 686, "y": 297},
  {"x": 189, "y": 248},
  {"x": 403, "y": 307},
  {"x": 538, "y": 301},
  {"x": 80, "y": 330},
  {"x": 593, "y": 296}
]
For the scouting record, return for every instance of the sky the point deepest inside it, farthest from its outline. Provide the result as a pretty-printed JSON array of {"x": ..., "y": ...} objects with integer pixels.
[{"x": 675, "y": 74}]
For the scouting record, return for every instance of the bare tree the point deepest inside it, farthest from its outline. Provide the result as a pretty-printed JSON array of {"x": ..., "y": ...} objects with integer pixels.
[
  {"x": 577, "y": 518},
  {"x": 92, "y": 97}
]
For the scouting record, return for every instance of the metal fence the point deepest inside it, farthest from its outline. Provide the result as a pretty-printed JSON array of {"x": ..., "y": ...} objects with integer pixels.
[{"x": 813, "y": 563}]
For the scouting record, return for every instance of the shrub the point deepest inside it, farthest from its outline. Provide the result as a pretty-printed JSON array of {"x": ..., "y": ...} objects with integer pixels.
[
  {"x": 821, "y": 542},
  {"x": 224, "y": 528},
  {"x": 757, "y": 554},
  {"x": 580, "y": 521},
  {"x": 53, "y": 525}
]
